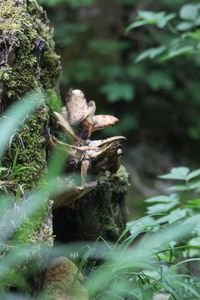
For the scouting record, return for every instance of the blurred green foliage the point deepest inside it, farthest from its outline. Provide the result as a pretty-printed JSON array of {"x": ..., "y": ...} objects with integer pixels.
[{"x": 157, "y": 101}]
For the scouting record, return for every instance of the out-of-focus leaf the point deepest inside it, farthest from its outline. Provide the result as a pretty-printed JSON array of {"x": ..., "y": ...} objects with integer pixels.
[
  {"x": 180, "y": 188},
  {"x": 127, "y": 123},
  {"x": 54, "y": 101},
  {"x": 177, "y": 173},
  {"x": 193, "y": 174},
  {"x": 195, "y": 203},
  {"x": 194, "y": 242},
  {"x": 177, "y": 214},
  {"x": 158, "y": 80},
  {"x": 190, "y": 186},
  {"x": 116, "y": 91},
  {"x": 159, "y": 19},
  {"x": 15, "y": 116},
  {"x": 177, "y": 51},
  {"x": 161, "y": 207},
  {"x": 163, "y": 199},
  {"x": 150, "y": 53},
  {"x": 106, "y": 47},
  {"x": 140, "y": 225},
  {"x": 173, "y": 216},
  {"x": 189, "y": 11},
  {"x": 184, "y": 26}
]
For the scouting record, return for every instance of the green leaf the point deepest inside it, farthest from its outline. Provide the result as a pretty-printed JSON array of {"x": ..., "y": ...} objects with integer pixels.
[
  {"x": 177, "y": 174},
  {"x": 140, "y": 225},
  {"x": 150, "y": 53},
  {"x": 193, "y": 203},
  {"x": 189, "y": 12},
  {"x": 116, "y": 91},
  {"x": 188, "y": 187},
  {"x": 193, "y": 174},
  {"x": 135, "y": 25},
  {"x": 160, "y": 80},
  {"x": 173, "y": 216},
  {"x": 162, "y": 207},
  {"x": 174, "y": 52},
  {"x": 160, "y": 19},
  {"x": 184, "y": 26},
  {"x": 163, "y": 199},
  {"x": 177, "y": 215},
  {"x": 180, "y": 188}
]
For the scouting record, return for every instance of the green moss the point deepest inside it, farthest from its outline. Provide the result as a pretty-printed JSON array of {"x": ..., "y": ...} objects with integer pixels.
[
  {"x": 27, "y": 40},
  {"x": 28, "y": 151},
  {"x": 30, "y": 230},
  {"x": 28, "y": 62}
]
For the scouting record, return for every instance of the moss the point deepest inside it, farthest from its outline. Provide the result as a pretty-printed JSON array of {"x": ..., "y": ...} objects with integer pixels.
[
  {"x": 30, "y": 60},
  {"x": 32, "y": 231},
  {"x": 63, "y": 281},
  {"x": 28, "y": 151}
]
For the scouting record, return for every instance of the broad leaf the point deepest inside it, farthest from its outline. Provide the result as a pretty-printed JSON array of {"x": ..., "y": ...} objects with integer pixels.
[
  {"x": 177, "y": 173},
  {"x": 189, "y": 11},
  {"x": 163, "y": 199},
  {"x": 193, "y": 174},
  {"x": 150, "y": 53}
]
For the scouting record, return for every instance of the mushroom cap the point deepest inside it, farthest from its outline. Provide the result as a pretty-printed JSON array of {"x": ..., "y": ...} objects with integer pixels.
[
  {"x": 77, "y": 107},
  {"x": 102, "y": 121}
]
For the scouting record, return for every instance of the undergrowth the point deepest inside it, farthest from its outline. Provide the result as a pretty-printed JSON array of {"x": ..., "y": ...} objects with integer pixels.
[{"x": 156, "y": 257}]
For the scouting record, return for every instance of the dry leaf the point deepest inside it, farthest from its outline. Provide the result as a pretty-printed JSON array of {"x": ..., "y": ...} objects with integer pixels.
[{"x": 102, "y": 121}]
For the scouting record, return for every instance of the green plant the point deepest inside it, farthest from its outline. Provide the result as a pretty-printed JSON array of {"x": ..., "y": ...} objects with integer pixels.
[
  {"x": 184, "y": 33},
  {"x": 161, "y": 253}
]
